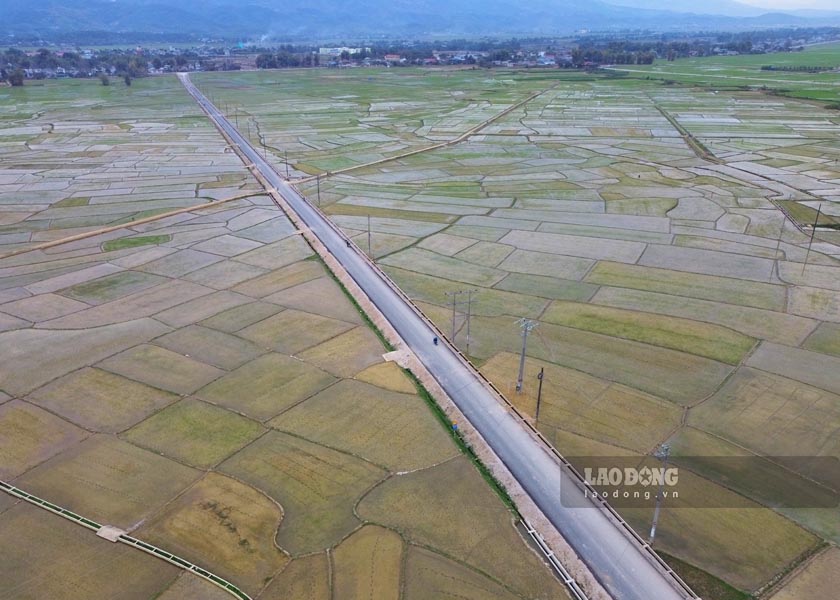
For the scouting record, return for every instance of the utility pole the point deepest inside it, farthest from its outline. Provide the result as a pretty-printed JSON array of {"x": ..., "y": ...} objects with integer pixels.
[
  {"x": 370, "y": 251},
  {"x": 811, "y": 241},
  {"x": 662, "y": 453},
  {"x": 455, "y": 302},
  {"x": 527, "y": 326},
  {"x": 469, "y": 314},
  {"x": 778, "y": 245},
  {"x": 236, "y": 116},
  {"x": 286, "y": 159},
  {"x": 541, "y": 376},
  {"x": 454, "y": 306},
  {"x": 318, "y": 183},
  {"x": 454, "y": 295}
]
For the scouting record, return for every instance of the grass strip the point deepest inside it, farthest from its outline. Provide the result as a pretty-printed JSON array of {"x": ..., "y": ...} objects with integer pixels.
[{"x": 135, "y": 242}]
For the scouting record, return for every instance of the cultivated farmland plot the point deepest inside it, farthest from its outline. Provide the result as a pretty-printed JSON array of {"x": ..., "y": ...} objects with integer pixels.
[
  {"x": 202, "y": 372},
  {"x": 671, "y": 289},
  {"x": 200, "y": 380}
]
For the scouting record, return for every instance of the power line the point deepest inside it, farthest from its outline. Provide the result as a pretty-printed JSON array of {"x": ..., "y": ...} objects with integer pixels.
[
  {"x": 455, "y": 303},
  {"x": 469, "y": 315},
  {"x": 811, "y": 241}
]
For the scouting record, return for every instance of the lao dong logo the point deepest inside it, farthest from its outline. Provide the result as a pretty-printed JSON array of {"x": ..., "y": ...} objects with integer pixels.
[
  {"x": 644, "y": 481},
  {"x": 630, "y": 482}
]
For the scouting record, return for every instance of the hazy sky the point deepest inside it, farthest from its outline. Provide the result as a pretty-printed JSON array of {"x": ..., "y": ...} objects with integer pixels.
[{"x": 794, "y": 4}]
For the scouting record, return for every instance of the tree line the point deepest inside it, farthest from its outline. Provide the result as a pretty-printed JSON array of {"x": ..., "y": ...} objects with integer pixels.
[
  {"x": 286, "y": 58},
  {"x": 610, "y": 56},
  {"x": 125, "y": 64},
  {"x": 797, "y": 68}
]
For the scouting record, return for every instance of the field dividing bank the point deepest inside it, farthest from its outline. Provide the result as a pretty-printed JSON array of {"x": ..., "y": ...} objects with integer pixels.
[
  {"x": 148, "y": 363},
  {"x": 464, "y": 136},
  {"x": 122, "y": 537},
  {"x": 649, "y": 575},
  {"x": 588, "y": 200},
  {"x": 730, "y": 77},
  {"x": 699, "y": 149},
  {"x": 126, "y": 225},
  {"x": 748, "y": 122}
]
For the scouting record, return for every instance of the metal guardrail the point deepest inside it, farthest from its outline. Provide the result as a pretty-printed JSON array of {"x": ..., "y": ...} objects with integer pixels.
[
  {"x": 579, "y": 479},
  {"x": 186, "y": 565},
  {"x": 126, "y": 539},
  {"x": 575, "y": 589},
  {"x": 53, "y": 508}
]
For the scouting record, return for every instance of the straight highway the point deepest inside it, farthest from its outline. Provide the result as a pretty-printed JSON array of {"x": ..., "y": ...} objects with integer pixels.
[{"x": 618, "y": 560}]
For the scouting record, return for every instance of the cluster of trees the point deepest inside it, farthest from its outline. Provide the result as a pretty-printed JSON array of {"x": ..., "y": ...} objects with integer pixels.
[
  {"x": 285, "y": 58},
  {"x": 15, "y": 77},
  {"x": 643, "y": 52},
  {"x": 610, "y": 56},
  {"x": 291, "y": 55},
  {"x": 412, "y": 51},
  {"x": 628, "y": 48},
  {"x": 286, "y": 55},
  {"x": 639, "y": 52},
  {"x": 15, "y": 62},
  {"x": 126, "y": 64},
  {"x": 772, "y": 36},
  {"x": 797, "y": 68},
  {"x": 418, "y": 50},
  {"x": 500, "y": 55}
]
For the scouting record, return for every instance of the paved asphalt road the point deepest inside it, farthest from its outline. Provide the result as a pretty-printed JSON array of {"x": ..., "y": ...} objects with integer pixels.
[{"x": 616, "y": 560}]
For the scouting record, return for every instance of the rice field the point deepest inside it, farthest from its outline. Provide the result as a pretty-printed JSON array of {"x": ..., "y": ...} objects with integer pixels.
[
  {"x": 668, "y": 278},
  {"x": 669, "y": 285},
  {"x": 416, "y": 503},
  {"x": 198, "y": 380},
  {"x": 818, "y": 577},
  {"x": 33, "y": 539}
]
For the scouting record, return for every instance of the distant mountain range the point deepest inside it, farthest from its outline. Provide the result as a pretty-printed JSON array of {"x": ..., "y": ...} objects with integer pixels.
[
  {"x": 321, "y": 19},
  {"x": 726, "y": 8}
]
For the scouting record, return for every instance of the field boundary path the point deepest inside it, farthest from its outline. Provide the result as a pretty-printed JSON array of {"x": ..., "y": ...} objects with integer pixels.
[
  {"x": 720, "y": 166},
  {"x": 143, "y": 221},
  {"x": 122, "y": 537},
  {"x": 739, "y": 77},
  {"x": 696, "y": 145},
  {"x": 456, "y": 140},
  {"x": 622, "y": 563}
]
